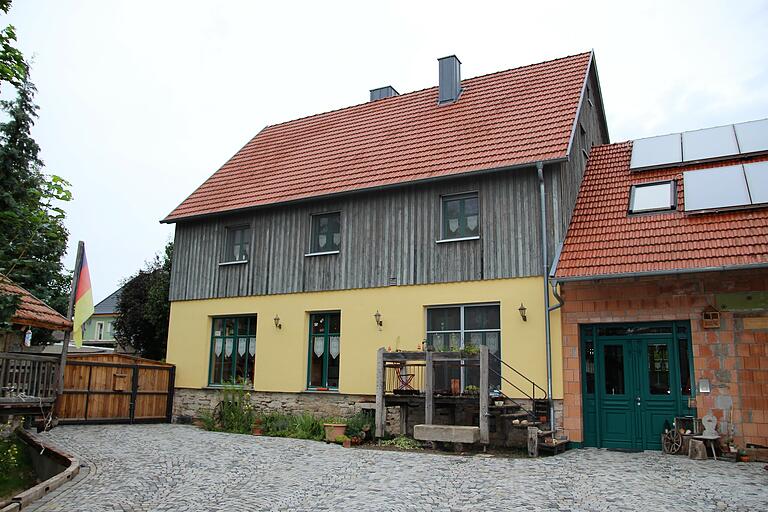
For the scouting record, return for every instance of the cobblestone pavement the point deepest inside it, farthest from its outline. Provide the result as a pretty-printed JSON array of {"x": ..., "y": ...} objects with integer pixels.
[{"x": 174, "y": 467}]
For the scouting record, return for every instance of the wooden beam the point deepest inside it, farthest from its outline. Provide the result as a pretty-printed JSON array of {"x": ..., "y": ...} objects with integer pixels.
[
  {"x": 381, "y": 410},
  {"x": 533, "y": 441},
  {"x": 429, "y": 384},
  {"x": 484, "y": 430}
]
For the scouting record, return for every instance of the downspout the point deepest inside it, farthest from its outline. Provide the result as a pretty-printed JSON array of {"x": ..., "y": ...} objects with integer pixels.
[{"x": 545, "y": 268}]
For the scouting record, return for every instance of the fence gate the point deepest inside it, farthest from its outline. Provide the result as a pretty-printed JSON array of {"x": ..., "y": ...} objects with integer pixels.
[{"x": 116, "y": 388}]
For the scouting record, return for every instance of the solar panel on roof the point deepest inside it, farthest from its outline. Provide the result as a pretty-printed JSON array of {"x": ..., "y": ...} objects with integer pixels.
[
  {"x": 709, "y": 143},
  {"x": 752, "y": 136},
  {"x": 656, "y": 151},
  {"x": 757, "y": 181},
  {"x": 721, "y": 187}
]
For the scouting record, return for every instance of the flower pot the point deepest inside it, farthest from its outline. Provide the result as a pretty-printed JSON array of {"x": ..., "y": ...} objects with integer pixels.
[
  {"x": 743, "y": 458},
  {"x": 334, "y": 430},
  {"x": 257, "y": 431},
  {"x": 347, "y": 443}
]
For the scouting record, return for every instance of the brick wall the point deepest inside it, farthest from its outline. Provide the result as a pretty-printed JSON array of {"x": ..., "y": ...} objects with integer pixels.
[{"x": 734, "y": 358}]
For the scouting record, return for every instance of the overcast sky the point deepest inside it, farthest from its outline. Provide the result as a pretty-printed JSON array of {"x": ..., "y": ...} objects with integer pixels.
[{"x": 142, "y": 101}]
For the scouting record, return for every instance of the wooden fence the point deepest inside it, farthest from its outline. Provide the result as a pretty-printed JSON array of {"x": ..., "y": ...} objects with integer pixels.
[
  {"x": 27, "y": 383},
  {"x": 116, "y": 388}
]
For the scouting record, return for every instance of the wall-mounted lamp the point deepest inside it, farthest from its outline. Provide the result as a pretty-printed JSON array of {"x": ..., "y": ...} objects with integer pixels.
[
  {"x": 277, "y": 322},
  {"x": 377, "y": 317},
  {"x": 522, "y": 311}
]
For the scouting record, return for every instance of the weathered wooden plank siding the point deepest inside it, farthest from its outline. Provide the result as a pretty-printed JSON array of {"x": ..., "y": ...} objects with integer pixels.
[
  {"x": 388, "y": 237},
  {"x": 589, "y": 132}
]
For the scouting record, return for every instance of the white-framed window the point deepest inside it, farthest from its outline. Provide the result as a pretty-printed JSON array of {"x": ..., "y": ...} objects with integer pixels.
[
  {"x": 455, "y": 327},
  {"x": 110, "y": 328},
  {"x": 99, "y": 330},
  {"x": 653, "y": 197}
]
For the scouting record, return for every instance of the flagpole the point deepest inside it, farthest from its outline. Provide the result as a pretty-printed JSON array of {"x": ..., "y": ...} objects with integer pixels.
[{"x": 70, "y": 312}]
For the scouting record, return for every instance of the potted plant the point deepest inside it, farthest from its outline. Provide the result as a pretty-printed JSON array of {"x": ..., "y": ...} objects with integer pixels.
[
  {"x": 344, "y": 441},
  {"x": 334, "y": 430},
  {"x": 743, "y": 457},
  {"x": 257, "y": 428},
  {"x": 471, "y": 390}
]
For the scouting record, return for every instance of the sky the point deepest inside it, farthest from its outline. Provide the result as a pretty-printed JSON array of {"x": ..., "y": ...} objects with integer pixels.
[{"x": 141, "y": 101}]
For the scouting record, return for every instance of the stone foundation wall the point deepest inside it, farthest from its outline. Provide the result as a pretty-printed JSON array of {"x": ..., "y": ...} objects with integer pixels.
[{"x": 188, "y": 403}]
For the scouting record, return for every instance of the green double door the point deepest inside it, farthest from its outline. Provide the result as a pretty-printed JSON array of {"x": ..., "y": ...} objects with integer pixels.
[{"x": 637, "y": 385}]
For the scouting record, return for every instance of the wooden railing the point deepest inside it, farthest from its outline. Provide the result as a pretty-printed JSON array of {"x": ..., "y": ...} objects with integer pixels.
[{"x": 28, "y": 378}]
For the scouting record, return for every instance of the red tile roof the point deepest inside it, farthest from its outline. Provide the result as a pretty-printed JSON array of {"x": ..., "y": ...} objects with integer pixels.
[
  {"x": 31, "y": 310},
  {"x": 602, "y": 240},
  {"x": 504, "y": 119}
]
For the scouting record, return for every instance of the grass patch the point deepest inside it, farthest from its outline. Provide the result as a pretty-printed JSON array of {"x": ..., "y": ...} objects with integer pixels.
[
  {"x": 16, "y": 472},
  {"x": 402, "y": 442}
]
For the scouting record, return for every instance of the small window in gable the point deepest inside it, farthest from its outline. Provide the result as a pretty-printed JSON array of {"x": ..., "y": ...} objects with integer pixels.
[
  {"x": 652, "y": 197},
  {"x": 238, "y": 244},
  {"x": 326, "y": 233},
  {"x": 461, "y": 216}
]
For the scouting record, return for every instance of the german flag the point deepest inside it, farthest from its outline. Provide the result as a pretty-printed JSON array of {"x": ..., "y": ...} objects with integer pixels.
[{"x": 83, "y": 301}]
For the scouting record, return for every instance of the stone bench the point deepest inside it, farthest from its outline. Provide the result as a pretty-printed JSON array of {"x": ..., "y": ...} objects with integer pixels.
[{"x": 447, "y": 433}]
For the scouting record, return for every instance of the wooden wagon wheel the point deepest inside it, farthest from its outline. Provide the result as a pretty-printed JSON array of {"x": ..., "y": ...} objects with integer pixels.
[{"x": 672, "y": 442}]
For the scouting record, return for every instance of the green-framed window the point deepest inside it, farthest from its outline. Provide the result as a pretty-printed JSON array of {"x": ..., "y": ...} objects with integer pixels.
[
  {"x": 324, "y": 350},
  {"x": 233, "y": 350},
  {"x": 460, "y": 216},
  {"x": 326, "y": 233},
  {"x": 238, "y": 244}
]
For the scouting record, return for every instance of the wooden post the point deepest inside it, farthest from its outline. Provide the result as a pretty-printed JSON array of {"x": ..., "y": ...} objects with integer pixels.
[
  {"x": 70, "y": 314},
  {"x": 484, "y": 391},
  {"x": 533, "y": 441},
  {"x": 381, "y": 410},
  {"x": 429, "y": 385}
]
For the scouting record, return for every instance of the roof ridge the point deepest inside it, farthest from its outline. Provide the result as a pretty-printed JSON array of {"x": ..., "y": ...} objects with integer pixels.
[{"x": 390, "y": 98}]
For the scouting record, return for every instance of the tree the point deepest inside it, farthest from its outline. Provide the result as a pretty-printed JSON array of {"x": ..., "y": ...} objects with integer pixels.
[
  {"x": 13, "y": 68},
  {"x": 33, "y": 238},
  {"x": 143, "y": 308}
]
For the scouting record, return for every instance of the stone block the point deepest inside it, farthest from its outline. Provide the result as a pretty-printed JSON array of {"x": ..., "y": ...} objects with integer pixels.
[{"x": 447, "y": 433}]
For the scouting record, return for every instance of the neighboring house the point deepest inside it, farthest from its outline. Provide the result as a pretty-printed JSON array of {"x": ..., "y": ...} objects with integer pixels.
[
  {"x": 408, "y": 218},
  {"x": 664, "y": 276},
  {"x": 100, "y": 328}
]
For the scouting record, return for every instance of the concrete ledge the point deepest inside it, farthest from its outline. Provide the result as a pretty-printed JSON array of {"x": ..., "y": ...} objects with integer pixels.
[
  {"x": 447, "y": 433},
  {"x": 72, "y": 468}
]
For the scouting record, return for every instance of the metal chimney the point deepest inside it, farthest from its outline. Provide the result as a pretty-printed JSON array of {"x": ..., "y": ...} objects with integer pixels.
[
  {"x": 450, "y": 79},
  {"x": 383, "y": 92}
]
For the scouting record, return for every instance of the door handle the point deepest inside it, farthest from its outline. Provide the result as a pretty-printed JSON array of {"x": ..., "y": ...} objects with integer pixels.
[{"x": 638, "y": 400}]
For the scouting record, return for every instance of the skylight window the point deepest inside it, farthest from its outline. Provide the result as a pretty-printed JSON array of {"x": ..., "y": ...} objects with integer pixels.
[{"x": 652, "y": 197}]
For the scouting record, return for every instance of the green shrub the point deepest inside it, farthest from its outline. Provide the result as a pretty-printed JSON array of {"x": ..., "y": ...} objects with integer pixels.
[
  {"x": 359, "y": 425},
  {"x": 306, "y": 426}
]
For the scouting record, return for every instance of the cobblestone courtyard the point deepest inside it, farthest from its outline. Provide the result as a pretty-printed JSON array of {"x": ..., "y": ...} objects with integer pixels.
[{"x": 174, "y": 467}]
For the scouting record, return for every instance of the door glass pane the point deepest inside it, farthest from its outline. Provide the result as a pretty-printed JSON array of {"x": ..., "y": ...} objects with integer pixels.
[
  {"x": 317, "y": 323},
  {"x": 334, "y": 323},
  {"x": 658, "y": 369},
  {"x": 614, "y": 370},
  {"x": 316, "y": 353},
  {"x": 444, "y": 319},
  {"x": 589, "y": 367},
  {"x": 334, "y": 361},
  {"x": 481, "y": 317},
  {"x": 685, "y": 369}
]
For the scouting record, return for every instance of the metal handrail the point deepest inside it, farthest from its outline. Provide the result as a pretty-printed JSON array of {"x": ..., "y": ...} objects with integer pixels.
[{"x": 524, "y": 377}]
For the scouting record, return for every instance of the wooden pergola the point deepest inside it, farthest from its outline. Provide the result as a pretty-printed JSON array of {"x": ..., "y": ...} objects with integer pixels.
[
  {"x": 397, "y": 361},
  {"x": 30, "y": 383}
]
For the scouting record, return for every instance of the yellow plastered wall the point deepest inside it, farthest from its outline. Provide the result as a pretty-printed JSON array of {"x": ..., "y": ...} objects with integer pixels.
[{"x": 281, "y": 354}]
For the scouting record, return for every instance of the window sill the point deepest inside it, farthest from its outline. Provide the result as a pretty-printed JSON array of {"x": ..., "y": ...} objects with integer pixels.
[
  {"x": 310, "y": 254},
  {"x": 219, "y": 387},
  {"x": 333, "y": 391},
  {"x": 226, "y": 263},
  {"x": 463, "y": 239}
]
